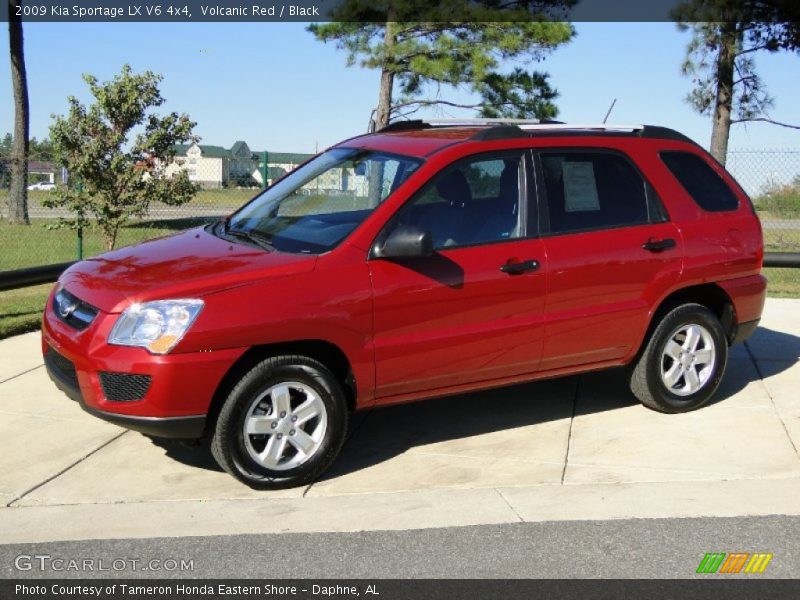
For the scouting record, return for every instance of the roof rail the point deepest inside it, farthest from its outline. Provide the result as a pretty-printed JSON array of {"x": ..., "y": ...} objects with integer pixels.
[
  {"x": 524, "y": 124},
  {"x": 496, "y": 129},
  {"x": 428, "y": 123},
  {"x": 568, "y": 126},
  {"x": 487, "y": 121},
  {"x": 405, "y": 126}
]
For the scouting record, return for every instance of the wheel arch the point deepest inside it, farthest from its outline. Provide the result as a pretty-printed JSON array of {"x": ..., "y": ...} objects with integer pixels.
[
  {"x": 325, "y": 352},
  {"x": 710, "y": 295}
]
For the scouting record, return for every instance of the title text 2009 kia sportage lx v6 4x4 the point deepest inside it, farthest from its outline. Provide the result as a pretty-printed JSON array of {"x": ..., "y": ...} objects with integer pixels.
[{"x": 422, "y": 260}]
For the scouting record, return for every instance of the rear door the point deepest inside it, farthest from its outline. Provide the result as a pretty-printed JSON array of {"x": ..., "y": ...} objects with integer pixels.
[
  {"x": 611, "y": 252},
  {"x": 474, "y": 310}
]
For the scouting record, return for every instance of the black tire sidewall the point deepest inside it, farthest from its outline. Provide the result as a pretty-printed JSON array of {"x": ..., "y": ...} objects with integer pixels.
[
  {"x": 239, "y": 402},
  {"x": 679, "y": 317}
]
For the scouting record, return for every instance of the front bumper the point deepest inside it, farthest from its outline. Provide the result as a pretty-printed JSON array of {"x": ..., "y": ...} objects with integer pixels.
[
  {"x": 190, "y": 427},
  {"x": 181, "y": 387}
]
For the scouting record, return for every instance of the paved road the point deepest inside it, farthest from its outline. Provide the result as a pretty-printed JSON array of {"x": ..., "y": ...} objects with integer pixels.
[
  {"x": 199, "y": 210},
  {"x": 793, "y": 224},
  {"x": 641, "y": 548},
  {"x": 569, "y": 449},
  {"x": 159, "y": 212}
]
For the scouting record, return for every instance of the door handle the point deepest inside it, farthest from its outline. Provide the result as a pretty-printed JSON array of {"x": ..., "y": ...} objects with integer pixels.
[
  {"x": 517, "y": 268},
  {"x": 659, "y": 245}
]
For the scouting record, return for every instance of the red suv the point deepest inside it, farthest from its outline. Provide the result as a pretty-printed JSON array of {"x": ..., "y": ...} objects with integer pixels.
[{"x": 419, "y": 261}]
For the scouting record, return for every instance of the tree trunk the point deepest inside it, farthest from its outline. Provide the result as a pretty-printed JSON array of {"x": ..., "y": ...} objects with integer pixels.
[
  {"x": 384, "y": 111},
  {"x": 110, "y": 237},
  {"x": 18, "y": 196},
  {"x": 723, "y": 104}
]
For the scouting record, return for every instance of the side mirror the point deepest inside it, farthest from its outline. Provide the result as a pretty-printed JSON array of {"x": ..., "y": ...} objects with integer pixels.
[{"x": 406, "y": 242}]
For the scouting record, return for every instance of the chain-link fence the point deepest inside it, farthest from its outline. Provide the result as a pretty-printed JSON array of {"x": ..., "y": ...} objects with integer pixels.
[
  {"x": 772, "y": 179},
  {"x": 228, "y": 177}
]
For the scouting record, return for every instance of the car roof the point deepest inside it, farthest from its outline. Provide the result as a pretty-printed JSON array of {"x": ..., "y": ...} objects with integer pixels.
[
  {"x": 419, "y": 142},
  {"x": 423, "y": 138}
]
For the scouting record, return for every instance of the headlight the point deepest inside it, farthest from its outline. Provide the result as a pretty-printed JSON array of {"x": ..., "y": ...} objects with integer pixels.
[{"x": 157, "y": 326}]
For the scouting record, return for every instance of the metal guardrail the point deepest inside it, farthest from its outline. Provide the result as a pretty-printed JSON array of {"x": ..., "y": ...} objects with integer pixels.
[
  {"x": 20, "y": 278},
  {"x": 782, "y": 259}
]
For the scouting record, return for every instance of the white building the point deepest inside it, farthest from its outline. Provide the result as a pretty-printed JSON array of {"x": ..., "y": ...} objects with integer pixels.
[{"x": 215, "y": 166}]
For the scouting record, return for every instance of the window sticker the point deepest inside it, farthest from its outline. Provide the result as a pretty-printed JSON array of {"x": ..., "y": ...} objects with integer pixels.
[{"x": 580, "y": 188}]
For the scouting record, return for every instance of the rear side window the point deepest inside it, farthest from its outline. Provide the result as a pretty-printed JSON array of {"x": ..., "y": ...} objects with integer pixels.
[
  {"x": 592, "y": 190},
  {"x": 707, "y": 189}
]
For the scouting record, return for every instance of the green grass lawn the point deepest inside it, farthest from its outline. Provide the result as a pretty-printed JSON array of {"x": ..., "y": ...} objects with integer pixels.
[
  {"x": 231, "y": 199},
  {"x": 21, "y": 246},
  {"x": 24, "y": 246},
  {"x": 783, "y": 283},
  {"x": 28, "y": 246},
  {"x": 782, "y": 240},
  {"x": 21, "y": 310},
  {"x": 224, "y": 198}
]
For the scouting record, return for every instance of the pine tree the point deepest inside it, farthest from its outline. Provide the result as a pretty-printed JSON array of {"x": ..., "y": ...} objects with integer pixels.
[
  {"x": 719, "y": 58},
  {"x": 420, "y": 55}
]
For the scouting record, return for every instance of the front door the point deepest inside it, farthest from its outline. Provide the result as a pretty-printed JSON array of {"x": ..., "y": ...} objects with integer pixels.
[{"x": 474, "y": 310}]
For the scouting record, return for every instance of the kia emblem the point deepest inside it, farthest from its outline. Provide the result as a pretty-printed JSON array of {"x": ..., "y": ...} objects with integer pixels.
[{"x": 66, "y": 306}]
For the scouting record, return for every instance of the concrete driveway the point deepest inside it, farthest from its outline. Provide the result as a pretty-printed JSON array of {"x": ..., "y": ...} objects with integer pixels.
[{"x": 566, "y": 449}]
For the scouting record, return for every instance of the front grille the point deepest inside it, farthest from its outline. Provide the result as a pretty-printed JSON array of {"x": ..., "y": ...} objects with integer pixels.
[
  {"x": 62, "y": 367},
  {"x": 124, "y": 387},
  {"x": 72, "y": 310}
]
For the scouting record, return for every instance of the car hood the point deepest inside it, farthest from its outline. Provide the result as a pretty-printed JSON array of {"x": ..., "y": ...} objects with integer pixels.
[{"x": 188, "y": 264}]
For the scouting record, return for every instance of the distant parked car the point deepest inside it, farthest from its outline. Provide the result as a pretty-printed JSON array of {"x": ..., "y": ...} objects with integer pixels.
[
  {"x": 44, "y": 186},
  {"x": 418, "y": 261}
]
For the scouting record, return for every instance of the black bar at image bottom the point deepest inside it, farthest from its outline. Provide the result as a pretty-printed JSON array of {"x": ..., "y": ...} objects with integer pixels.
[{"x": 399, "y": 589}]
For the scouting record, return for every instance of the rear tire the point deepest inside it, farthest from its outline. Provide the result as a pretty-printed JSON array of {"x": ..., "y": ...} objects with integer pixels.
[
  {"x": 684, "y": 361},
  {"x": 282, "y": 425}
]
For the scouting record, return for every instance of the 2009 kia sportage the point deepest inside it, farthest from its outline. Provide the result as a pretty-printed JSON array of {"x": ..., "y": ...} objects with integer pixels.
[{"x": 419, "y": 261}]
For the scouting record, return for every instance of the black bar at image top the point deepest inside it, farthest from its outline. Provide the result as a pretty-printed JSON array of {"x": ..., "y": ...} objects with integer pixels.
[{"x": 184, "y": 11}]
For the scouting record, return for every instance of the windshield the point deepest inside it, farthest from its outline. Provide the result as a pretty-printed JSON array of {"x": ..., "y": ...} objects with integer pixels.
[{"x": 316, "y": 206}]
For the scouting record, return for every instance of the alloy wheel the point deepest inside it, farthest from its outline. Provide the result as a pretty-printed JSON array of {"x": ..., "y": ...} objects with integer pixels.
[
  {"x": 285, "y": 426},
  {"x": 688, "y": 359}
]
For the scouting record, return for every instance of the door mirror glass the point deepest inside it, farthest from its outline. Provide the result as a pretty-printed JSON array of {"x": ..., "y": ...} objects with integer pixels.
[{"x": 406, "y": 242}]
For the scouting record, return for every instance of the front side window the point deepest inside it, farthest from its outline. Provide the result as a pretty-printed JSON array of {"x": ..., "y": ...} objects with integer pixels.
[
  {"x": 706, "y": 188},
  {"x": 473, "y": 202},
  {"x": 317, "y": 205},
  {"x": 592, "y": 190}
]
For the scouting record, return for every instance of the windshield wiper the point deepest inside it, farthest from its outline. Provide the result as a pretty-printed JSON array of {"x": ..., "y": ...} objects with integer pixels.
[{"x": 259, "y": 240}]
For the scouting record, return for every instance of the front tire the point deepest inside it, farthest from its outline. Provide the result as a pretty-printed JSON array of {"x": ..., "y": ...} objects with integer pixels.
[
  {"x": 282, "y": 425},
  {"x": 684, "y": 361}
]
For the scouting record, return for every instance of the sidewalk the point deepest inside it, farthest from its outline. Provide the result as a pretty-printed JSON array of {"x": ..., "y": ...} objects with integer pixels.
[{"x": 566, "y": 449}]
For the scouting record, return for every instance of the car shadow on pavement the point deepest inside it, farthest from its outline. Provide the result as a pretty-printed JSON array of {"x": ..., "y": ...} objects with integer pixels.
[
  {"x": 380, "y": 434},
  {"x": 773, "y": 351},
  {"x": 190, "y": 453}
]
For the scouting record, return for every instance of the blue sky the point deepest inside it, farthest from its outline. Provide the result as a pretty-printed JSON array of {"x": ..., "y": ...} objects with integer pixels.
[{"x": 274, "y": 86}]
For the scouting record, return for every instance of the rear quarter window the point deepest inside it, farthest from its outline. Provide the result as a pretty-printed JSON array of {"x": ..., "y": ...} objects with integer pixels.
[{"x": 701, "y": 182}]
